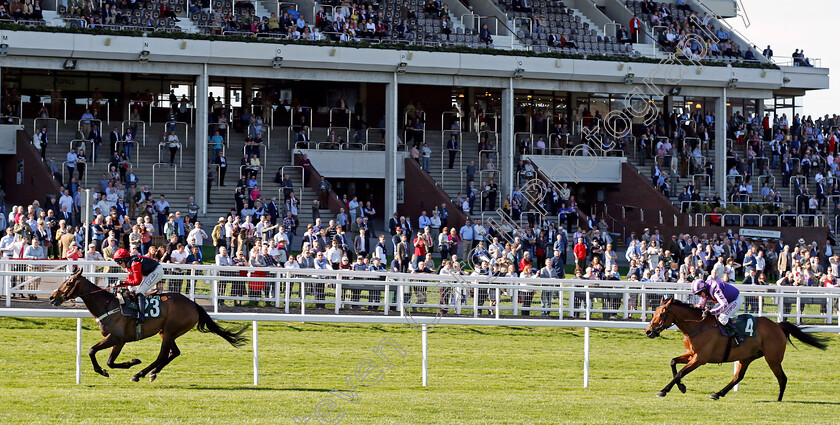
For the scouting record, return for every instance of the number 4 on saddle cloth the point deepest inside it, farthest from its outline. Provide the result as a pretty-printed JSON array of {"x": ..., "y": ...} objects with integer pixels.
[
  {"x": 128, "y": 304},
  {"x": 744, "y": 322}
]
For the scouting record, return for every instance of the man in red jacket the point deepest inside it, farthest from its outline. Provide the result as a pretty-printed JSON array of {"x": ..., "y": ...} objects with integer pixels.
[
  {"x": 635, "y": 29},
  {"x": 143, "y": 274},
  {"x": 580, "y": 254}
]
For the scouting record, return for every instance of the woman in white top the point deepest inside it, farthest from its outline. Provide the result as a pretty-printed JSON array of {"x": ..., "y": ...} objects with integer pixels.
[{"x": 653, "y": 254}]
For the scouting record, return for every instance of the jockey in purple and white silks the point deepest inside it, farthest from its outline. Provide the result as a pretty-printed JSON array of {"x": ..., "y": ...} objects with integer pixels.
[{"x": 729, "y": 301}]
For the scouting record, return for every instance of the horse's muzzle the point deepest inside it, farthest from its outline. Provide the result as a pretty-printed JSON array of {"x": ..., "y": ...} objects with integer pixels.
[
  {"x": 54, "y": 300},
  {"x": 651, "y": 333}
]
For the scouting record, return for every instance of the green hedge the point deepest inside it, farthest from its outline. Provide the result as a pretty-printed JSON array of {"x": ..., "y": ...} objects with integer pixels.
[{"x": 360, "y": 44}]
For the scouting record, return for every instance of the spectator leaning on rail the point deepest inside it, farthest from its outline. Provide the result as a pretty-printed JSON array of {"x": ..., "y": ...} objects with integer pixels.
[
  {"x": 729, "y": 301},
  {"x": 143, "y": 274}
]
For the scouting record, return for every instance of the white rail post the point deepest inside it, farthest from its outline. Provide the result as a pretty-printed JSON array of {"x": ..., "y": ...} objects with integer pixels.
[
  {"x": 7, "y": 286},
  {"x": 214, "y": 295},
  {"x": 424, "y": 336},
  {"x": 256, "y": 348},
  {"x": 78, "y": 351},
  {"x": 586, "y": 345}
]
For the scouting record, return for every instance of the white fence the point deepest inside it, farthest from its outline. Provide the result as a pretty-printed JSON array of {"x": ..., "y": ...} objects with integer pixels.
[{"x": 579, "y": 298}]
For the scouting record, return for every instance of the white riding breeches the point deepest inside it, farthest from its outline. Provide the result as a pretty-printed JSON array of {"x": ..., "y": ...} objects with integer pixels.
[
  {"x": 150, "y": 281},
  {"x": 730, "y": 310}
]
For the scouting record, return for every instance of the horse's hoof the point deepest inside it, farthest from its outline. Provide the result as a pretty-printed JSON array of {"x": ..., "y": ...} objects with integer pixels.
[
  {"x": 134, "y": 378},
  {"x": 152, "y": 377},
  {"x": 135, "y": 362},
  {"x": 681, "y": 387},
  {"x": 661, "y": 394},
  {"x": 103, "y": 372},
  {"x": 714, "y": 396}
]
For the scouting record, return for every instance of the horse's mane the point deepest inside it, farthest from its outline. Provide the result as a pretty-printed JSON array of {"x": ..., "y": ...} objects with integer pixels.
[{"x": 679, "y": 303}]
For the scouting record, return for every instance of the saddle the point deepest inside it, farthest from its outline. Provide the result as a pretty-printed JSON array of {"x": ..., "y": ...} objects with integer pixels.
[
  {"x": 744, "y": 322},
  {"x": 128, "y": 304}
]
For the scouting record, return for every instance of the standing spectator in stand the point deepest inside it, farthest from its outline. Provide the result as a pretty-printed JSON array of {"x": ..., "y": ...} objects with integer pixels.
[
  {"x": 174, "y": 144},
  {"x": 426, "y": 154},
  {"x": 580, "y": 254},
  {"x": 635, "y": 29}
]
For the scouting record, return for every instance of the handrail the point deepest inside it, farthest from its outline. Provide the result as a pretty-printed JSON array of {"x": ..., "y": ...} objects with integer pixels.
[
  {"x": 496, "y": 21},
  {"x": 54, "y": 134},
  {"x": 64, "y": 176},
  {"x": 251, "y": 168},
  {"x": 263, "y": 155},
  {"x": 165, "y": 145},
  {"x": 174, "y": 173},
  {"x": 346, "y": 110},
  {"x": 213, "y": 126},
  {"x": 131, "y": 142},
  {"x": 186, "y": 141},
  {"x": 105, "y": 102},
  {"x": 122, "y": 129},
  {"x": 264, "y": 130}
]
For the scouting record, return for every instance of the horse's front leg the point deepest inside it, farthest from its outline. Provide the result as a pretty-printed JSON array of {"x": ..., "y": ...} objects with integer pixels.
[
  {"x": 115, "y": 352},
  {"x": 693, "y": 363},
  {"x": 108, "y": 341},
  {"x": 679, "y": 360}
]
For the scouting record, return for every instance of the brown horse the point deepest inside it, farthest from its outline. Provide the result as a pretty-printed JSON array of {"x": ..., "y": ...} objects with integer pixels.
[
  {"x": 705, "y": 344},
  {"x": 177, "y": 315}
]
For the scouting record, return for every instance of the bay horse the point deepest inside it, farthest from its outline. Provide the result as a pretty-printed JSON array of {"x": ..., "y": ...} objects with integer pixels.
[
  {"x": 177, "y": 315},
  {"x": 704, "y": 343}
]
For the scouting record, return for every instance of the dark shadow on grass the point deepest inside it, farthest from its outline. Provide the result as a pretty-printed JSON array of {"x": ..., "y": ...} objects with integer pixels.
[
  {"x": 217, "y": 388},
  {"x": 818, "y": 403}
]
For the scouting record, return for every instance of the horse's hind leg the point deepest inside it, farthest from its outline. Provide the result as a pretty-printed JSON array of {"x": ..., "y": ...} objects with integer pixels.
[
  {"x": 115, "y": 352},
  {"x": 165, "y": 348},
  {"x": 679, "y": 360},
  {"x": 173, "y": 352},
  {"x": 739, "y": 375},
  {"x": 776, "y": 367}
]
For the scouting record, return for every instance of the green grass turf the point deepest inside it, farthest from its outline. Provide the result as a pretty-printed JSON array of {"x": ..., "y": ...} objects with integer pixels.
[{"x": 477, "y": 375}]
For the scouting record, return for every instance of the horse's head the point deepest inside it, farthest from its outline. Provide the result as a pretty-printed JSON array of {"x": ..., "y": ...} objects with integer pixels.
[
  {"x": 662, "y": 319},
  {"x": 69, "y": 289}
]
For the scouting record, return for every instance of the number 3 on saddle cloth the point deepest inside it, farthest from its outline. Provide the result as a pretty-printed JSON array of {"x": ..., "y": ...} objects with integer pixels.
[
  {"x": 128, "y": 304},
  {"x": 744, "y": 322}
]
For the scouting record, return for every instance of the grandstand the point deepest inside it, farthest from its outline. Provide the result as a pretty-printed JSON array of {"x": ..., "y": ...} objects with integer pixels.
[{"x": 373, "y": 93}]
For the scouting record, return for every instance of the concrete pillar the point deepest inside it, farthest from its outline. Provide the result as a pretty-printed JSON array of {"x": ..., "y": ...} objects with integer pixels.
[
  {"x": 719, "y": 159},
  {"x": 506, "y": 165},
  {"x": 391, "y": 140},
  {"x": 247, "y": 94},
  {"x": 201, "y": 122}
]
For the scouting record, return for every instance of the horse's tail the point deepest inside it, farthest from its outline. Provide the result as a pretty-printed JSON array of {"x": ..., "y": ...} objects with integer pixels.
[
  {"x": 791, "y": 329},
  {"x": 206, "y": 324}
]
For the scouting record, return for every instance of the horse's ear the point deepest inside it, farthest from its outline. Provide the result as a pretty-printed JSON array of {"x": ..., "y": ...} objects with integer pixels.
[
  {"x": 78, "y": 272},
  {"x": 663, "y": 301}
]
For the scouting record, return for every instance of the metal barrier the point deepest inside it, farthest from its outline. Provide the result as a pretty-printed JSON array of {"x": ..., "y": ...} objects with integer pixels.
[
  {"x": 802, "y": 181},
  {"x": 165, "y": 145},
  {"x": 249, "y": 168},
  {"x": 106, "y": 102},
  {"x": 292, "y": 142},
  {"x": 134, "y": 149},
  {"x": 262, "y": 155},
  {"x": 345, "y": 145},
  {"x": 338, "y": 124},
  {"x": 46, "y": 122},
  {"x": 223, "y": 128},
  {"x": 64, "y": 175},
  {"x": 174, "y": 173},
  {"x": 185, "y": 142},
  {"x": 368, "y": 143},
  {"x": 132, "y": 124},
  {"x": 252, "y": 130}
]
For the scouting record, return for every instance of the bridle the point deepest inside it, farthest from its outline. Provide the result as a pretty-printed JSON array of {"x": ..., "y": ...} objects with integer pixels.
[
  {"x": 66, "y": 294},
  {"x": 664, "y": 320}
]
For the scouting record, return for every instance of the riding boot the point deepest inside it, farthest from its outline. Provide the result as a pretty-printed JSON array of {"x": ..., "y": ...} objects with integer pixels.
[
  {"x": 734, "y": 332},
  {"x": 141, "y": 307}
]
